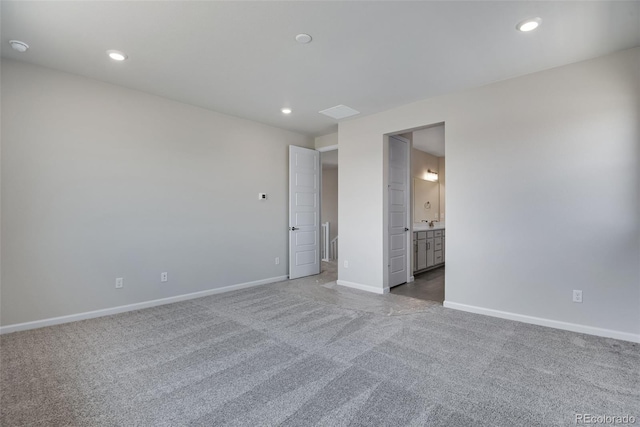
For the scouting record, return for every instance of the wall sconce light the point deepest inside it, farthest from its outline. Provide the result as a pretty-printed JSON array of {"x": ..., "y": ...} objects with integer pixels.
[{"x": 431, "y": 176}]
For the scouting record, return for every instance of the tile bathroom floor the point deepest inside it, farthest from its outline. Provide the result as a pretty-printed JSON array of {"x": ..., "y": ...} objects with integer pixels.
[{"x": 428, "y": 286}]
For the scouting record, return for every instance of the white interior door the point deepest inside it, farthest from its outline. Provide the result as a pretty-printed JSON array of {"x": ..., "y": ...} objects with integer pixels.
[
  {"x": 304, "y": 212},
  {"x": 398, "y": 209}
]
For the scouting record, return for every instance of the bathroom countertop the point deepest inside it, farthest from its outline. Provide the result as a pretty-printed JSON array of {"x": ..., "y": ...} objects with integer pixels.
[{"x": 423, "y": 226}]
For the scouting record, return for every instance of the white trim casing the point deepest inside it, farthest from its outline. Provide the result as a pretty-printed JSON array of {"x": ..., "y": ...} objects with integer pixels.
[
  {"x": 327, "y": 148},
  {"x": 573, "y": 327},
  {"x": 131, "y": 307},
  {"x": 362, "y": 287}
]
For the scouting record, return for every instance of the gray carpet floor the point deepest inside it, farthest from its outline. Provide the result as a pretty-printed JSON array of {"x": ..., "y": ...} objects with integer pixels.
[{"x": 308, "y": 352}]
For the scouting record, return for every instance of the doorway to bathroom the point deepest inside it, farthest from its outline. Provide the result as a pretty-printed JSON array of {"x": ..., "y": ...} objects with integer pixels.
[{"x": 427, "y": 247}]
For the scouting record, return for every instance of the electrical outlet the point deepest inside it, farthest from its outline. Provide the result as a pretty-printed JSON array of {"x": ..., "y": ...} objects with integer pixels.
[
  {"x": 277, "y": 260},
  {"x": 119, "y": 282},
  {"x": 346, "y": 264},
  {"x": 164, "y": 276},
  {"x": 577, "y": 295}
]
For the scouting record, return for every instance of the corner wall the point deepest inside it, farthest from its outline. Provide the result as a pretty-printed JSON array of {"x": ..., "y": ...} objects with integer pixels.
[
  {"x": 543, "y": 195},
  {"x": 100, "y": 181},
  {"x": 324, "y": 141},
  {"x": 330, "y": 201}
]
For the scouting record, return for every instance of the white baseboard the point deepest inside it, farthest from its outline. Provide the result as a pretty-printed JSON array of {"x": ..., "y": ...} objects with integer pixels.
[
  {"x": 411, "y": 279},
  {"x": 574, "y": 327},
  {"x": 362, "y": 287},
  {"x": 130, "y": 307}
]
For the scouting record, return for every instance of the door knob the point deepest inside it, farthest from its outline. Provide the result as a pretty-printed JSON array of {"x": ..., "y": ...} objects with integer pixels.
[
  {"x": 406, "y": 229},
  {"x": 293, "y": 228}
]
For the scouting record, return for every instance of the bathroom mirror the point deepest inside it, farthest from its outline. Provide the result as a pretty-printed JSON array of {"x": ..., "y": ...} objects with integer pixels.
[{"x": 426, "y": 200}]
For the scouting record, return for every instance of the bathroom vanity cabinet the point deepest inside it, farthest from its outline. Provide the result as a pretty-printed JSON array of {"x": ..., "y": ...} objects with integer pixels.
[{"x": 428, "y": 249}]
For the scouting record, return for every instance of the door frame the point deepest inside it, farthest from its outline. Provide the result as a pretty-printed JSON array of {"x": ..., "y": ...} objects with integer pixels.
[
  {"x": 385, "y": 214},
  {"x": 324, "y": 150}
]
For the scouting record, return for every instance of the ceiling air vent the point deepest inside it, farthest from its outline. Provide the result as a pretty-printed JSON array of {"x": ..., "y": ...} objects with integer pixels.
[{"x": 339, "y": 112}]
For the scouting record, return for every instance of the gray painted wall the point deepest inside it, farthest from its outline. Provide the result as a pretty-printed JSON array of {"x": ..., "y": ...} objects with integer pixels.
[
  {"x": 543, "y": 193},
  {"x": 99, "y": 182}
]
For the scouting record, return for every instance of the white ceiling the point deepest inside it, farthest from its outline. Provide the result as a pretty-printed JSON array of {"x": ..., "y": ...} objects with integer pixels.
[
  {"x": 430, "y": 140},
  {"x": 240, "y": 58}
]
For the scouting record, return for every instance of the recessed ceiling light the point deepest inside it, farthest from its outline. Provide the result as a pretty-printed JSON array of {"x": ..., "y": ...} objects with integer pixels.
[
  {"x": 528, "y": 24},
  {"x": 116, "y": 55},
  {"x": 286, "y": 111},
  {"x": 18, "y": 45},
  {"x": 303, "y": 38}
]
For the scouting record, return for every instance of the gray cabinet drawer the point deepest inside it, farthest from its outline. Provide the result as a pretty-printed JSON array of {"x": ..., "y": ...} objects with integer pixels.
[
  {"x": 438, "y": 257},
  {"x": 437, "y": 233},
  {"x": 437, "y": 243},
  {"x": 429, "y": 234},
  {"x": 421, "y": 235}
]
